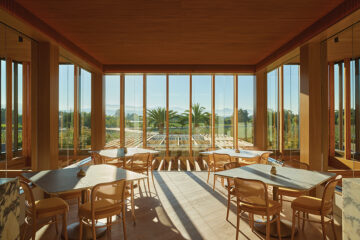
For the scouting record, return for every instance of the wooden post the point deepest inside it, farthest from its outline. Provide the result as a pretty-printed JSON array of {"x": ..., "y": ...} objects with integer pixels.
[
  {"x": 97, "y": 111},
  {"x": 213, "y": 111},
  {"x": 236, "y": 117},
  {"x": 9, "y": 150},
  {"x": 260, "y": 113},
  {"x": 331, "y": 111},
  {"x": 347, "y": 109},
  {"x": 144, "y": 113},
  {"x": 26, "y": 113},
  {"x": 314, "y": 134}
]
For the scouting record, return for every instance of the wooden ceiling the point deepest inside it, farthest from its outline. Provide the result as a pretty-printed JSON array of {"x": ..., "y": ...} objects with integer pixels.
[{"x": 141, "y": 32}]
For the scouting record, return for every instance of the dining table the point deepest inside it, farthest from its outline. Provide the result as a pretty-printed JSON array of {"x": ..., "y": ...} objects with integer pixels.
[
  {"x": 116, "y": 154},
  {"x": 65, "y": 180},
  {"x": 285, "y": 177},
  {"x": 240, "y": 154}
]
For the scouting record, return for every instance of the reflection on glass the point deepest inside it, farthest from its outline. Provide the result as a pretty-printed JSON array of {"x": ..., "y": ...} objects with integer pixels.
[
  {"x": 224, "y": 111},
  {"x": 179, "y": 90},
  {"x": 17, "y": 108},
  {"x": 245, "y": 110},
  {"x": 84, "y": 110},
  {"x": 133, "y": 110},
  {"x": 339, "y": 107},
  {"x": 272, "y": 109},
  {"x": 201, "y": 113},
  {"x": 3, "y": 107},
  {"x": 112, "y": 110},
  {"x": 156, "y": 112},
  {"x": 66, "y": 106},
  {"x": 291, "y": 107}
]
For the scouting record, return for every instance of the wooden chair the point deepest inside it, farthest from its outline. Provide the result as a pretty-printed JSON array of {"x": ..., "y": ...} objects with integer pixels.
[
  {"x": 103, "y": 206},
  {"x": 43, "y": 209},
  {"x": 264, "y": 158},
  {"x": 292, "y": 192},
  {"x": 97, "y": 158},
  {"x": 230, "y": 185},
  {"x": 216, "y": 164},
  {"x": 140, "y": 163},
  {"x": 322, "y": 207},
  {"x": 249, "y": 161},
  {"x": 252, "y": 197}
]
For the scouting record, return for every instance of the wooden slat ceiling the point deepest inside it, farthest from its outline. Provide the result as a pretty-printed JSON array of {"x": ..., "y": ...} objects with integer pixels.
[{"x": 240, "y": 32}]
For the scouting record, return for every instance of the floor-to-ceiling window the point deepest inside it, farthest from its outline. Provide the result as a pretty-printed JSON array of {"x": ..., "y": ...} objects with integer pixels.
[
  {"x": 84, "y": 92},
  {"x": 201, "y": 113},
  {"x": 3, "y": 107},
  {"x": 17, "y": 79},
  {"x": 133, "y": 110},
  {"x": 112, "y": 110},
  {"x": 245, "y": 109},
  {"x": 272, "y": 110},
  {"x": 224, "y": 111}
]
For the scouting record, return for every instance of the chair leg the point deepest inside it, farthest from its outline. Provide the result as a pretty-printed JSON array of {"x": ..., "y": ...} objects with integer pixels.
[
  {"x": 299, "y": 220},
  {"x": 237, "y": 223},
  {"x": 64, "y": 226},
  {"x": 252, "y": 221},
  {"x": 80, "y": 229},
  {"x": 133, "y": 206},
  {"x": 333, "y": 227},
  {"x": 56, "y": 224},
  {"x": 303, "y": 226},
  {"x": 323, "y": 227},
  {"x": 25, "y": 228},
  {"x": 148, "y": 182},
  {"x": 93, "y": 230},
  {"x": 267, "y": 228},
  {"x": 207, "y": 181},
  {"x": 34, "y": 228},
  {"x": 123, "y": 221},
  {"x": 214, "y": 181},
  {"x": 278, "y": 225},
  {"x": 293, "y": 225},
  {"x": 281, "y": 201},
  {"x": 228, "y": 206}
]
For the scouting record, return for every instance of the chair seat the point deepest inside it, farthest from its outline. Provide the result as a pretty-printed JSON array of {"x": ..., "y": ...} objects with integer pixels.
[
  {"x": 70, "y": 195},
  {"x": 109, "y": 192},
  {"x": 103, "y": 208},
  {"x": 291, "y": 192},
  {"x": 307, "y": 204},
  {"x": 50, "y": 206},
  {"x": 274, "y": 207}
]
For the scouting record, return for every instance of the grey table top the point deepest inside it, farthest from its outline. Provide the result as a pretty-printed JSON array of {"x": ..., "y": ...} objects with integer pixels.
[
  {"x": 66, "y": 179},
  {"x": 241, "y": 154},
  {"x": 292, "y": 178},
  {"x": 119, "y": 152}
]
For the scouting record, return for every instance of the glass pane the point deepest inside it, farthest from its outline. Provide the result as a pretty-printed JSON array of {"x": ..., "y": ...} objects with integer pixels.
[
  {"x": 201, "y": 110},
  {"x": 66, "y": 107},
  {"x": 84, "y": 110},
  {"x": 17, "y": 108},
  {"x": 133, "y": 110},
  {"x": 245, "y": 110},
  {"x": 224, "y": 111},
  {"x": 291, "y": 106},
  {"x": 272, "y": 109},
  {"x": 112, "y": 110},
  {"x": 156, "y": 112},
  {"x": 179, "y": 90},
  {"x": 3, "y": 107}
]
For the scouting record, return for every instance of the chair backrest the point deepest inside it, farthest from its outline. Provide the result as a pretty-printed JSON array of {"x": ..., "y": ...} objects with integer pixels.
[
  {"x": 253, "y": 160},
  {"x": 296, "y": 164},
  {"x": 96, "y": 158},
  {"x": 231, "y": 165},
  {"x": 220, "y": 160},
  {"x": 140, "y": 161},
  {"x": 328, "y": 194},
  {"x": 115, "y": 193},
  {"x": 29, "y": 196},
  {"x": 253, "y": 192},
  {"x": 264, "y": 159}
]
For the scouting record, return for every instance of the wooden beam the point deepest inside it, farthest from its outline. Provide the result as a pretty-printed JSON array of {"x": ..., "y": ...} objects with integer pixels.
[
  {"x": 9, "y": 152},
  {"x": 213, "y": 111},
  {"x": 347, "y": 109},
  {"x": 331, "y": 111},
  {"x": 236, "y": 117},
  {"x": 340, "y": 12},
  {"x": 97, "y": 111},
  {"x": 178, "y": 68},
  {"x": 281, "y": 108},
  {"x": 122, "y": 110},
  {"x": 144, "y": 133}
]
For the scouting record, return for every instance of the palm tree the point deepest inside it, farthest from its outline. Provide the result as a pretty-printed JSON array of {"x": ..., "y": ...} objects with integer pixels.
[
  {"x": 157, "y": 117},
  {"x": 198, "y": 115}
]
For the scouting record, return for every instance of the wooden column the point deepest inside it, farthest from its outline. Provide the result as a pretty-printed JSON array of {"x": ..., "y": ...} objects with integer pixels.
[
  {"x": 314, "y": 106},
  {"x": 144, "y": 112},
  {"x": 9, "y": 151},
  {"x": 44, "y": 105},
  {"x": 260, "y": 113},
  {"x": 347, "y": 109},
  {"x": 331, "y": 111},
  {"x": 213, "y": 111},
  {"x": 236, "y": 116},
  {"x": 26, "y": 131},
  {"x": 122, "y": 110},
  {"x": 97, "y": 111}
]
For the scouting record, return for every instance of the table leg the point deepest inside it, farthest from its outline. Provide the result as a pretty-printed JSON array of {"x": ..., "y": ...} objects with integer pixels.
[
  {"x": 74, "y": 228},
  {"x": 285, "y": 225}
]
